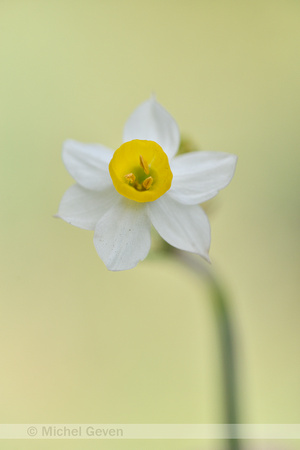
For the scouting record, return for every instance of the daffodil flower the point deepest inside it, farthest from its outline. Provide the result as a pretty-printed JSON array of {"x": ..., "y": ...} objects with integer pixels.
[{"x": 120, "y": 194}]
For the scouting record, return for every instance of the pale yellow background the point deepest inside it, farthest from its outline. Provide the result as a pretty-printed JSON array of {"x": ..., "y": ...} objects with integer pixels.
[{"x": 81, "y": 344}]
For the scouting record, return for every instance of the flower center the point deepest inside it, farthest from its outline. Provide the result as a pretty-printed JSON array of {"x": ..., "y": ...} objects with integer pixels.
[{"x": 140, "y": 170}]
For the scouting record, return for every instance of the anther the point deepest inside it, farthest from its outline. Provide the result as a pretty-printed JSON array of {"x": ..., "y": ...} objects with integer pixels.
[
  {"x": 147, "y": 183},
  {"x": 144, "y": 165},
  {"x": 130, "y": 177}
]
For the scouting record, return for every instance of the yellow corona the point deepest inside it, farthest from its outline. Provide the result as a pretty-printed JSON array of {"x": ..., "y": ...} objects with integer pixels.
[{"x": 140, "y": 170}]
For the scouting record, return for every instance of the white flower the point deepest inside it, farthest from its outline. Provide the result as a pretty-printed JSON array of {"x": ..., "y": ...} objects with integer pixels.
[{"x": 120, "y": 194}]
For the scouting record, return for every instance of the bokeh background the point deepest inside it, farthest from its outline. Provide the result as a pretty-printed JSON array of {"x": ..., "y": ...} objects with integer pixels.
[{"x": 82, "y": 345}]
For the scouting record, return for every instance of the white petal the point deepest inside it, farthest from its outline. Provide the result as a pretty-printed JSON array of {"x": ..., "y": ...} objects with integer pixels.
[
  {"x": 184, "y": 227},
  {"x": 83, "y": 208},
  {"x": 198, "y": 176},
  {"x": 88, "y": 164},
  {"x": 151, "y": 122},
  {"x": 122, "y": 236}
]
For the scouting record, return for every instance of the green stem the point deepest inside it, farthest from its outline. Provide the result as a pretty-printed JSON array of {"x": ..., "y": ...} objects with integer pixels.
[{"x": 226, "y": 340}]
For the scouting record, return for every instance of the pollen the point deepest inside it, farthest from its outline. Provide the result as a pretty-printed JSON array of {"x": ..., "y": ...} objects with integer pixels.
[
  {"x": 144, "y": 165},
  {"x": 140, "y": 170},
  {"x": 147, "y": 183},
  {"x": 130, "y": 177}
]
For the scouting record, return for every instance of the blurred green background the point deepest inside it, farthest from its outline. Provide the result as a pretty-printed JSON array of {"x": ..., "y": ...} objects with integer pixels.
[{"x": 80, "y": 344}]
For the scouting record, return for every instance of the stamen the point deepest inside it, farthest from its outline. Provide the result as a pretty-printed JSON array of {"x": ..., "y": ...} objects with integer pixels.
[
  {"x": 144, "y": 165},
  {"x": 147, "y": 183},
  {"x": 130, "y": 177}
]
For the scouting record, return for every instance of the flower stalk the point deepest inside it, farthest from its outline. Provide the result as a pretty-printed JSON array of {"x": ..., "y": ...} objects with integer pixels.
[{"x": 226, "y": 340}]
